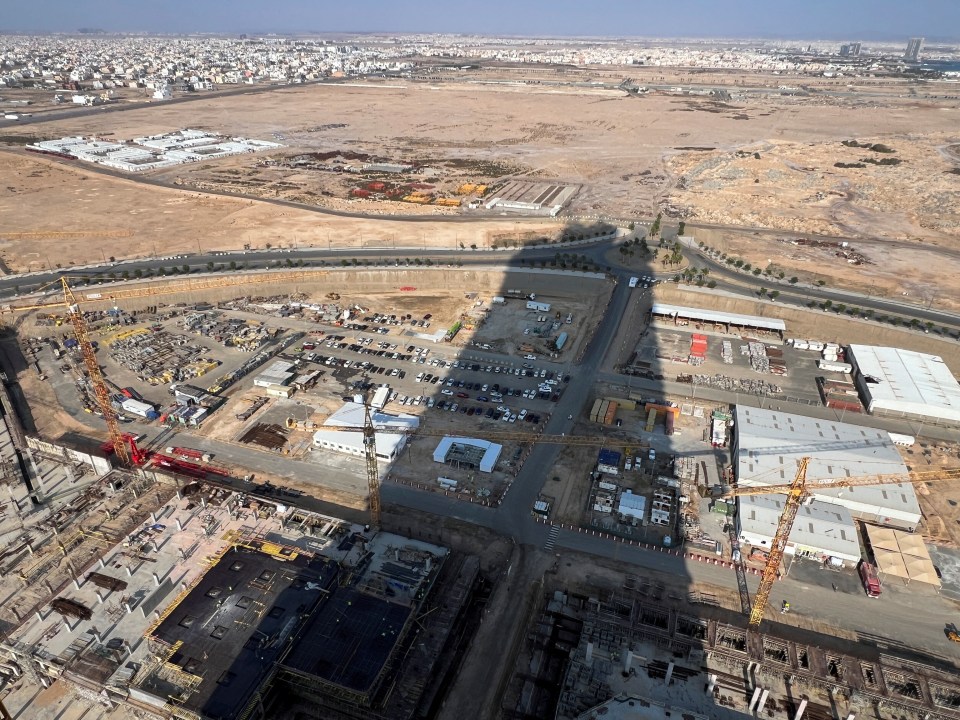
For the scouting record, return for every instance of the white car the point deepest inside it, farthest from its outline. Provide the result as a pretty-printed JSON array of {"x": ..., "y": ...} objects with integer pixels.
[
  {"x": 446, "y": 392},
  {"x": 529, "y": 357}
]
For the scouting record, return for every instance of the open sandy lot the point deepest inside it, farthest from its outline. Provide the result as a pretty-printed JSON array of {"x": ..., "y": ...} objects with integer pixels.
[{"x": 628, "y": 156}]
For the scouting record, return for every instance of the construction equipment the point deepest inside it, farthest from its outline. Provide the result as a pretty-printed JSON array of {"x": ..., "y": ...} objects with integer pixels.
[
  {"x": 100, "y": 390},
  {"x": 796, "y": 492},
  {"x": 370, "y": 455},
  {"x": 952, "y": 633}
]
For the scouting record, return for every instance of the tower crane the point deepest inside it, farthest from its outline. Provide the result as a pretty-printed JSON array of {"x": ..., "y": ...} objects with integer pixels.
[
  {"x": 796, "y": 493},
  {"x": 100, "y": 391}
]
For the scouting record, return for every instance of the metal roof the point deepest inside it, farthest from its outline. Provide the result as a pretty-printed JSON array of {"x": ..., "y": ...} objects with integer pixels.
[
  {"x": 490, "y": 451},
  {"x": 713, "y": 316},
  {"x": 907, "y": 381},
  {"x": 770, "y": 444},
  {"x": 818, "y": 526}
]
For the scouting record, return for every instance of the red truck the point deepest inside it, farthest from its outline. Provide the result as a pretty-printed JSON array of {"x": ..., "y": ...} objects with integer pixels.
[{"x": 869, "y": 578}]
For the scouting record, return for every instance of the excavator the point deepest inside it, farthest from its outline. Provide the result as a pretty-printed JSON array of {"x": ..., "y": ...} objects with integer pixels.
[{"x": 952, "y": 633}]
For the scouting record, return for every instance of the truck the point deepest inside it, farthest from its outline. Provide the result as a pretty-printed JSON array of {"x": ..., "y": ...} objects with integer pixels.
[
  {"x": 634, "y": 281},
  {"x": 869, "y": 578}
]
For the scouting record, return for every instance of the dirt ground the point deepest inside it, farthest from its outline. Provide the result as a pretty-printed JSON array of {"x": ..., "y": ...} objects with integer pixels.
[
  {"x": 627, "y": 153},
  {"x": 939, "y": 501},
  {"x": 913, "y": 271},
  {"x": 159, "y": 222},
  {"x": 797, "y": 186}
]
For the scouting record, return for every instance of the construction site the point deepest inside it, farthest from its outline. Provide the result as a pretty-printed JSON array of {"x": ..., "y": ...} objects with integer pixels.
[{"x": 645, "y": 650}]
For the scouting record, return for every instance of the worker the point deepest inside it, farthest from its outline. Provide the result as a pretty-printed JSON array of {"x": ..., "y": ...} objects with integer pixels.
[
  {"x": 569, "y": 417},
  {"x": 784, "y": 607}
]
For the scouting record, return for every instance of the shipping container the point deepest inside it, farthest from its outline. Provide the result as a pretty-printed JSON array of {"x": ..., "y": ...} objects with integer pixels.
[
  {"x": 651, "y": 419},
  {"x": 668, "y": 424},
  {"x": 611, "y": 413},
  {"x": 595, "y": 410},
  {"x": 135, "y": 407}
]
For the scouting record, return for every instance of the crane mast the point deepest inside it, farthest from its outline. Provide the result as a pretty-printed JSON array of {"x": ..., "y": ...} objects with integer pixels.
[
  {"x": 100, "y": 391},
  {"x": 772, "y": 568},
  {"x": 373, "y": 475}
]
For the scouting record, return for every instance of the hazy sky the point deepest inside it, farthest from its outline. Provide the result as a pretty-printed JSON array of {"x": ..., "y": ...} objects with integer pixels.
[{"x": 808, "y": 19}]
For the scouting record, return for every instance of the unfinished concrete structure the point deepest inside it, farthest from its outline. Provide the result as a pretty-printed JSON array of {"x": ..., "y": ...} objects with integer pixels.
[{"x": 632, "y": 654}]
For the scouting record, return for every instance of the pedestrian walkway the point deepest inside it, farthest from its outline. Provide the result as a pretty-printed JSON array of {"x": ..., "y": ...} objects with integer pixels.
[{"x": 551, "y": 538}]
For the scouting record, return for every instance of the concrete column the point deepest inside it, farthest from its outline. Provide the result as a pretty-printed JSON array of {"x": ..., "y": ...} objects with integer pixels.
[
  {"x": 627, "y": 661},
  {"x": 129, "y": 571},
  {"x": 203, "y": 502},
  {"x": 126, "y": 607},
  {"x": 179, "y": 496},
  {"x": 852, "y": 716},
  {"x": 711, "y": 683},
  {"x": 67, "y": 627},
  {"x": 803, "y": 706},
  {"x": 153, "y": 516},
  {"x": 156, "y": 579},
  {"x": 762, "y": 701},
  {"x": 103, "y": 563},
  {"x": 76, "y": 583},
  {"x": 179, "y": 525},
  {"x": 666, "y": 680},
  {"x": 589, "y": 657},
  {"x": 99, "y": 596},
  {"x": 753, "y": 700},
  {"x": 39, "y": 616}
]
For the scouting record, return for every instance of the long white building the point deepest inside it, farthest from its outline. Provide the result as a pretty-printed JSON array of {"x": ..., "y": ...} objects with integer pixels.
[
  {"x": 768, "y": 445},
  {"x": 904, "y": 383},
  {"x": 389, "y": 444}
]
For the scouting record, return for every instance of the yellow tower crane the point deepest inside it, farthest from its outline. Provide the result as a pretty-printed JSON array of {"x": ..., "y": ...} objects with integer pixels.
[{"x": 798, "y": 491}]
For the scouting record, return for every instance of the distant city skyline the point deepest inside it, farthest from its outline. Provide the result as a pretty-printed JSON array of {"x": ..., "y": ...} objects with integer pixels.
[{"x": 878, "y": 20}]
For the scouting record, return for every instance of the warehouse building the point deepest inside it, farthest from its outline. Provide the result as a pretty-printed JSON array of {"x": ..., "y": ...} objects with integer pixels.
[
  {"x": 768, "y": 445},
  {"x": 820, "y": 529},
  {"x": 723, "y": 321},
  {"x": 907, "y": 384},
  {"x": 351, "y": 415}
]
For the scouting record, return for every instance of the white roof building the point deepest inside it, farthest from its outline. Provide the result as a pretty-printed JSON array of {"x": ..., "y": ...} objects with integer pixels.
[
  {"x": 768, "y": 445},
  {"x": 351, "y": 415},
  {"x": 906, "y": 383},
  {"x": 632, "y": 505},
  {"x": 819, "y": 529},
  {"x": 481, "y": 454},
  {"x": 714, "y": 316}
]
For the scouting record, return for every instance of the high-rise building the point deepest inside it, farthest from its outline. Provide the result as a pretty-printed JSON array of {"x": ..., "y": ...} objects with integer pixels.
[
  {"x": 913, "y": 50},
  {"x": 850, "y": 50}
]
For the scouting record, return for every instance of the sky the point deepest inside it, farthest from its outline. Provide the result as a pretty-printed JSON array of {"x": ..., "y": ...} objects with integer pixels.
[{"x": 801, "y": 19}]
